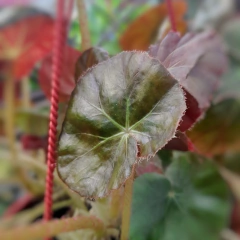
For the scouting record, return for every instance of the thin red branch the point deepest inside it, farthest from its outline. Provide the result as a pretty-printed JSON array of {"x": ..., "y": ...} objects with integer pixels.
[
  {"x": 18, "y": 205},
  {"x": 171, "y": 15},
  {"x": 59, "y": 42}
]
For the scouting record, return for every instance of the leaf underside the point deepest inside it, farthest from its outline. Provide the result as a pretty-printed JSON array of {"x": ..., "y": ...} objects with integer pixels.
[{"x": 127, "y": 100}]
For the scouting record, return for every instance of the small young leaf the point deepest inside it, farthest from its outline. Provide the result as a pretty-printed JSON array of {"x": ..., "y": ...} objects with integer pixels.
[
  {"x": 66, "y": 81},
  {"x": 88, "y": 59},
  {"x": 124, "y": 106},
  {"x": 141, "y": 33}
]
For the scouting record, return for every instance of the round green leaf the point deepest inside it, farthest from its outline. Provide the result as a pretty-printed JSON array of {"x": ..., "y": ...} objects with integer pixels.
[
  {"x": 190, "y": 202},
  {"x": 123, "y": 108}
]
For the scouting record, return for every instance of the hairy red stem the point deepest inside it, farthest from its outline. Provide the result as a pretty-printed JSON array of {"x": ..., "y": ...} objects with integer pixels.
[{"x": 171, "y": 15}]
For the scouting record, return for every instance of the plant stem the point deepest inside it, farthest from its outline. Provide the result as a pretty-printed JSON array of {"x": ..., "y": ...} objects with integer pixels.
[
  {"x": 127, "y": 204},
  {"x": 18, "y": 205},
  {"x": 52, "y": 228},
  {"x": 27, "y": 216},
  {"x": 9, "y": 101},
  {"x": 9, "y": 117},
  {"x": 25, "y": 159},
  {"x": 26, "y": 98},
  {"x": 115, "y": 207},
  {"x": 83, "y": 21}
]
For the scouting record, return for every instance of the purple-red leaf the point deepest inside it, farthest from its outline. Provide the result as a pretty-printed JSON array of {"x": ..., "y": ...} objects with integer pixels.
[{"x": 197, "y": 62}]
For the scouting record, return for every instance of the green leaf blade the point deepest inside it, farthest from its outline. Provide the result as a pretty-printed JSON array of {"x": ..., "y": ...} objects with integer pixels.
[{"x": 191, "y": 200}]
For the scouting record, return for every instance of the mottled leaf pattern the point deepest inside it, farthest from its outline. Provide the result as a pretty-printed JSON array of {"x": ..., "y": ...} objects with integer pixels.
[{"x": 127, "y": 100}]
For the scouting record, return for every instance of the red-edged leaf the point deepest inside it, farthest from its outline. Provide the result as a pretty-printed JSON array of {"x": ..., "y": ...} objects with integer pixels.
[
  {"x": 197, "y": 61},
  {"x": 88, "y": 59},
  {"x": 26, "y": 42},
  {"x": 66, "y": 80},
  {"x": 143, "y": 31}
]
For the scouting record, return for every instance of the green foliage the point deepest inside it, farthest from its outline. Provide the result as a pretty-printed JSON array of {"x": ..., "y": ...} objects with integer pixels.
[
  {"x": 106, "y": 24},
  {"x": 190, "y": 201}
]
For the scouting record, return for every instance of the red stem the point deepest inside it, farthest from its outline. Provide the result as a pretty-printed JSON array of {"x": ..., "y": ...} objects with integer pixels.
[
  {"x": 59, "y": 43},
  {"x": 171, "y": 15},
  {"x": 18, "y": 205},
  {"x": 52, "y": 134}
]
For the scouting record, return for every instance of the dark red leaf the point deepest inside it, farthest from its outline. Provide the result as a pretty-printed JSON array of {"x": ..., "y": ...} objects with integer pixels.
[
  {"x": 180, "y": 143},
  {"x": 192, "y": 113}
]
